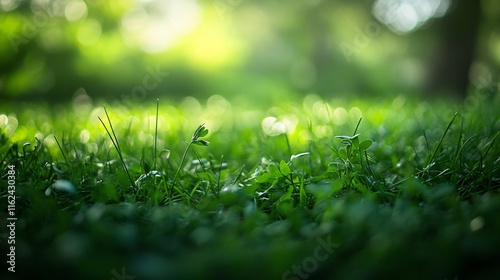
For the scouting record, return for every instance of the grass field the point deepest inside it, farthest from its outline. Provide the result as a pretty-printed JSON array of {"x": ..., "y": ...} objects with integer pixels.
[{"x": 304, "y": 189}]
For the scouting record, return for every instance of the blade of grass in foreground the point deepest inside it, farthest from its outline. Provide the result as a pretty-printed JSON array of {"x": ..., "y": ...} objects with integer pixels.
[
  {"x": 200, "y": 132},
  {"x": 156, "y": 134},
  {"x": 433, "y": 155},
  {"x": 117, "y": 146}
]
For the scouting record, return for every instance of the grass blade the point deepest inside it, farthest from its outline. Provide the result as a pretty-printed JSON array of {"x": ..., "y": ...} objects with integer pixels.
[
  {"x": 156, "y": 134},
  {"x": 357, "y": 126},
  {"x": 112, "y": 130},
  {"x": 117, "y": 147},
  {"x": 433, "y": 155},
  {"x": 62, "y": 151}
]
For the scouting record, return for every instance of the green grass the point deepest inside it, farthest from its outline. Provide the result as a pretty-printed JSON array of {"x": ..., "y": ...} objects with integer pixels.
[{"x": 212, "y": 190}]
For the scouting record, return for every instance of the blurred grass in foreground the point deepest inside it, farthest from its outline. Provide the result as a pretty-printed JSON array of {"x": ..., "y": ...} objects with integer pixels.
[{"x": 418, "y": 200}]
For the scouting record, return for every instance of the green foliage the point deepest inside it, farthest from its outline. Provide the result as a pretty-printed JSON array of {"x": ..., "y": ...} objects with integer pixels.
[
  {"x": 147, "y": 201},
  {"x": 200, "y": 132}
]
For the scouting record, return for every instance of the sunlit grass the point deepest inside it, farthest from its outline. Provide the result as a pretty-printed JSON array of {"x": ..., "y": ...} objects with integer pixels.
[
  {"x": 408, "y": 137},
  {"x": 374, "y": 176}
]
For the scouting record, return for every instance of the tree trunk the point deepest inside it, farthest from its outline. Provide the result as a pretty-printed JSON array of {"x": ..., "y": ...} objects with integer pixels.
[{"x": 454, "y": 53}]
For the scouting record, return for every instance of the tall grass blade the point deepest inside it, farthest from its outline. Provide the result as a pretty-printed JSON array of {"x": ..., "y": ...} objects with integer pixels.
[
  {"x": 62, "y": 151},
  {"x": 156, "y": 134},
  {"x": 357, "y": 126},
  {"x": 433, "y": 155},
  {"x": 117, "y": 147},
  {"x": 112, "y": 130}
]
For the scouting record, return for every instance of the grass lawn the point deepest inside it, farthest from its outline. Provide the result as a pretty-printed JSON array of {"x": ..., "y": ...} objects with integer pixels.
[{"x": 303, "y": 189}]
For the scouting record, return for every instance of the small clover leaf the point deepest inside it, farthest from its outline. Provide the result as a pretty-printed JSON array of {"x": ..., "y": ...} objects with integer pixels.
[{"x": 284, "y": 168}]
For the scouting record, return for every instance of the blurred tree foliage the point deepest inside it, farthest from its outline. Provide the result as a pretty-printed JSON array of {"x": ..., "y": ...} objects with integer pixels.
[{"x": 133, "y": 50}]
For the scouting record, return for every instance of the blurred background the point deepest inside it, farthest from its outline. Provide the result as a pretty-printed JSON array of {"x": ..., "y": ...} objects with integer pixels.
[{"x": 135, "y": 50}]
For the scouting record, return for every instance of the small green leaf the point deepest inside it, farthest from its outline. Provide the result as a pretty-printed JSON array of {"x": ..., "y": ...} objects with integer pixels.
[
  {"x": 355, "y": 153},
  {"x": 343, "y": 152},
  {"x": 201, "y": 142},
  {"x": 198, "y": 130},
  {"x": 364, "y": 145},
  {"x": 287, "y": 195},
  {"x": 284, "y": 168},
  {"x": 273, "y": 169},
  {"x": 203, "y": 132},
  {"x": 204, "y": 142},
  {"x": 355, "y": 140},
  {"x": 264, "y": 178},
  {"x": 335, "y": 165},
  {"x": 337, "y": 186}
]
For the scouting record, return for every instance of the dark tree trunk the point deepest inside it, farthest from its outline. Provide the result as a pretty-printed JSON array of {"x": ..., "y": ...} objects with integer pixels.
[{"x": 454, "y": 53}]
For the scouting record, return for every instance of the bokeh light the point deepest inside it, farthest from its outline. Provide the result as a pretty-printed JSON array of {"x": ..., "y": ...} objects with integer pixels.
[{"x": 404, "y": 16}]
